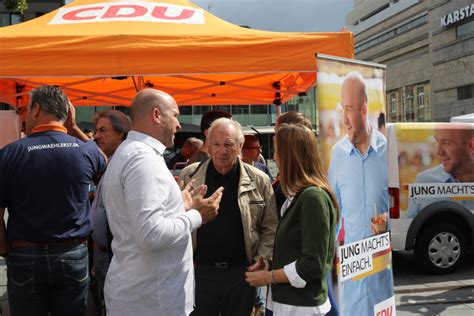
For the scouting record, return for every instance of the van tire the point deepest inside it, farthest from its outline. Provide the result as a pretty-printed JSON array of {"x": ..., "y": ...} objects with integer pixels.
[{"x": 440, "y": 248}]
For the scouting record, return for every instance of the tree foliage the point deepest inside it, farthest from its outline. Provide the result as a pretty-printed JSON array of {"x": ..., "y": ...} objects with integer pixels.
[{"x": 16, "y": 5}]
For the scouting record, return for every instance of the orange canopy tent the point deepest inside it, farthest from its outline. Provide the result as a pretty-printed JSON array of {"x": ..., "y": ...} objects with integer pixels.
[{"x": 101, "y": 53}]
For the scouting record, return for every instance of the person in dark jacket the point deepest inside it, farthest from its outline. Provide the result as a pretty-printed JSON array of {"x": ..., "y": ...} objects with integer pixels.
[{"x": 44, "y": 183}]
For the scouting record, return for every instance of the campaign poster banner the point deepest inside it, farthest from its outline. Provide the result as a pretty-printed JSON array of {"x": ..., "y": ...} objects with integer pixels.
[
  {"x": 435, "y": 163},
  {"x": 351, "y": 105},
  {"x": 434, "y": 190},
  {"x": 364, "y": 257}
]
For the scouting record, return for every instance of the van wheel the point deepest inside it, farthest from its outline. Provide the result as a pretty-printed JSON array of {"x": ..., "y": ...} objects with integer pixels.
[{"x": 440, "y": 248}]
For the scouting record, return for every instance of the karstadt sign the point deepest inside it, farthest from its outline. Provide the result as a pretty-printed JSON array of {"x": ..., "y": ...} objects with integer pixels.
[{"x": 457, "y": 16}]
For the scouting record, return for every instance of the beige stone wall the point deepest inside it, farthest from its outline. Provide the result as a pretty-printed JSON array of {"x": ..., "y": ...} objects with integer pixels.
[
  {"x": 408, "y": 73},
  {"x": 392, "y": 22},
  {"x": 362, "y": 8},
  {"x": 429, "y": 55},
  {"x": 452, "y": 61}
]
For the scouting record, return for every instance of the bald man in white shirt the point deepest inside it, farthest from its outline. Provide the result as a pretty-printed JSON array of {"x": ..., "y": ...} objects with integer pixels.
[{"x": 151, "y": 220}]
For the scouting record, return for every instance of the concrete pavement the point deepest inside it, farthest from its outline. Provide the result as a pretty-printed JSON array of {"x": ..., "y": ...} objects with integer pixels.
[{"x": 417, "y": 293}]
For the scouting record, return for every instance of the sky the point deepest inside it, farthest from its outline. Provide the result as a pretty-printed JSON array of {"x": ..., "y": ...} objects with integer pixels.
[{"x": 282, "y": 15}]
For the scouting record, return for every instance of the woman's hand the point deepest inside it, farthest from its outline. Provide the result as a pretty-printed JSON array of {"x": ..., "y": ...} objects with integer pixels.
[
  {"x": 257, "y": 272},
  {"x": 261, "y": 264},
  {"x": 259, "y": 278}
]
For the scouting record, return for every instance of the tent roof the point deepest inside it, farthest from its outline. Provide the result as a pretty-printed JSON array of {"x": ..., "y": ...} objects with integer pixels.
[{"x": 172, "y": 45}]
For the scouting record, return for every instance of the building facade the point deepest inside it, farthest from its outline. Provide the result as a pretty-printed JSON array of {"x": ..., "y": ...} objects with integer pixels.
[
  {"x": 258, "y": 117},
  {"x": 35, "y": 9},
  {"x": 428, "y": 47}
]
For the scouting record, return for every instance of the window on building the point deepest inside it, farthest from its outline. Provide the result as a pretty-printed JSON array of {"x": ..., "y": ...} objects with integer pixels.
[
  {"x": 239, "y": 109},
  {"x": 124, "y": 109},
  {"x": 393, "y": 102},
  {"x": 4, "y": 19},
  {"x": 291, "y": 105},
  {"x": 225, "y": 108},
  {"x": 392, "y": 33},
  {"x": 10, "y": 19},
  {"x": 465, "y": 29},
  {"x": 186, "y": 110},
  {"x": 408, "y": 107},
  {"x": 420, "y": 103},
  {"x": 371, "y": 14},
  {"x": 259, "y": 109},
  {"x": 16, "y": 18},
  {"x": 420, "y": 96},
  {"x": 407, "y": 97},
  {"x": 466, "y": 92},
  {"x": 404, "y": 28},
  {"x": 201, "y": 109}
]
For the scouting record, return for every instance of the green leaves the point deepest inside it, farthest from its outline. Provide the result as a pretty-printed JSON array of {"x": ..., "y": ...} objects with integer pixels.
[{"x": 16, "y": 5}]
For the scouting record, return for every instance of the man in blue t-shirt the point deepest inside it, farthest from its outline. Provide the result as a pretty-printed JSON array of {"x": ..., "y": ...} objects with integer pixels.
[{"x": 44, "y": 180}]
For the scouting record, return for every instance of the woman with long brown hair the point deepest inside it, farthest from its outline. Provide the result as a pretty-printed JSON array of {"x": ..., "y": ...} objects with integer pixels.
[{"x": 304, "y": 242}]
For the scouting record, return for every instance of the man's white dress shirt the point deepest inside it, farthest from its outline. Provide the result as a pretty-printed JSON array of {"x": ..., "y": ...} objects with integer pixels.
[{"x": 151, "y": 272}]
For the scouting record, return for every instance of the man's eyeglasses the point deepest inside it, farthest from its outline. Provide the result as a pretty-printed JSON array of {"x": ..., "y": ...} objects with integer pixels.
[{"x": 254, "y": 147}]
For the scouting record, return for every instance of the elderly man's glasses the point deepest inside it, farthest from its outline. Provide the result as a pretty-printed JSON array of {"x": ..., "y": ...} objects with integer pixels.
[{"x": 254, "y": 147}]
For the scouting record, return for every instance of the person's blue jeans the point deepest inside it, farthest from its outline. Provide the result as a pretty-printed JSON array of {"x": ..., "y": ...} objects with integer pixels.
[
  {"x": 259, "y": 300},
  {"x": 101, "y": 262},
  {"x": 48, "y": 279}
]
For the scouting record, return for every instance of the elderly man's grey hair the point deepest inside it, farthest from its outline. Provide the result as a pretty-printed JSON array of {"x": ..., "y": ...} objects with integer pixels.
[
  {"x": 194, "y": 143},
  {"x": 223, "y": 121}
]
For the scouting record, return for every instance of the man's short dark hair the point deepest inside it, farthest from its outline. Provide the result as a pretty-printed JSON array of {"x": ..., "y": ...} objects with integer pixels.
[
  {"x": 250, "y": 140},
  {"x": 211, "y": 116},
  {"x": 120, "y": 122},
  {"x": 87, "y": 130},
  {"x": 51, "y": 100}
]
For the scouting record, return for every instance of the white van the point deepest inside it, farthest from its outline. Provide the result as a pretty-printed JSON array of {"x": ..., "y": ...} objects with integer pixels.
[{"x": 431, "y": 187}]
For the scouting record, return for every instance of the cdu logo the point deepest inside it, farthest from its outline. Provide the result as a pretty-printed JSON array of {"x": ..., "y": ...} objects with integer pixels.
[{"x": 129, "y": 11}]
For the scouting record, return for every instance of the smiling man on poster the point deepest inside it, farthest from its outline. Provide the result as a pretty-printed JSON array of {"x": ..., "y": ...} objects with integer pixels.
[
  {"x": 455, "y": 151},
  {"x": 358, "y": 174}
]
